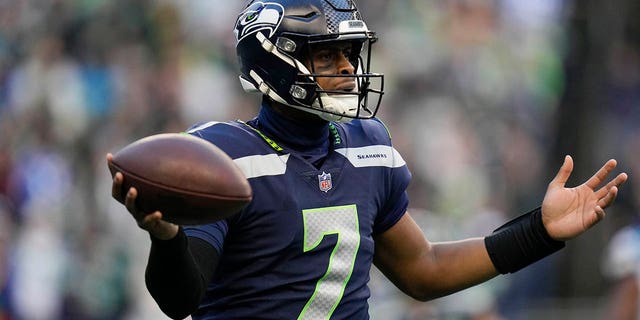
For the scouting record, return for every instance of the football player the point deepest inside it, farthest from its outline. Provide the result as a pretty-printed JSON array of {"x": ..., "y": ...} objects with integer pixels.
[{"x": 329, "y": 189}]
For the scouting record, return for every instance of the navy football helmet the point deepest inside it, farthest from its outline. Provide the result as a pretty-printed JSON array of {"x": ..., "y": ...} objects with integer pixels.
[{"x": 274, "y": 39}]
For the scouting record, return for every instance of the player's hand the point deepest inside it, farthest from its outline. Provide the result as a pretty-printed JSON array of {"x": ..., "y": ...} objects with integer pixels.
[
  {"x": 568, "y": 212},
  {"x": 152, "y": 222}
]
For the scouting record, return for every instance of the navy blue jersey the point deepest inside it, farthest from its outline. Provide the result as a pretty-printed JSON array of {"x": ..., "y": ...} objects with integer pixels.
[{"x": 303, "y": 248}]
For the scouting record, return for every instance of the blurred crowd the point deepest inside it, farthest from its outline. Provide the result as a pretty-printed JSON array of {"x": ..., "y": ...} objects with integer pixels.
[{"x": 471, "y": 93}]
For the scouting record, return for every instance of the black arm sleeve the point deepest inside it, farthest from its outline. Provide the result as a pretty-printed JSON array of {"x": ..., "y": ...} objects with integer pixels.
[
  {"x": 178, "y": 272},
  {"x": 520, "y": 242}
]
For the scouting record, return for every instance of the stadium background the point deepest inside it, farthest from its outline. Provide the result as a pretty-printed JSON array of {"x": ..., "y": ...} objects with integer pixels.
[{"x": 483, "y": 98}]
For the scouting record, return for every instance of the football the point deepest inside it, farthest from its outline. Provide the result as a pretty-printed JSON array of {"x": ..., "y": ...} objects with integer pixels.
[{"x": 190, "y": 180}]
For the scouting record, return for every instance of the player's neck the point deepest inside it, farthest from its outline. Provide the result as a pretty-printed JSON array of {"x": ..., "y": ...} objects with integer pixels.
[{"x": 298, "y": 132}]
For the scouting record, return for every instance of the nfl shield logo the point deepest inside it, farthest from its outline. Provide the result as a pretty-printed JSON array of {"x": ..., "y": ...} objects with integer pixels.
[{"x": 324, "y": 181}]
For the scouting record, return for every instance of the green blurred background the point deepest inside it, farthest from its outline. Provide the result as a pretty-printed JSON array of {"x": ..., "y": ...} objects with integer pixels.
[{"x": 483, "y": 99}]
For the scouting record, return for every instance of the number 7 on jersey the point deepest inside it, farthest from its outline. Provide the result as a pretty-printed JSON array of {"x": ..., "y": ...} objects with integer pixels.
[{"x": 318, "y": 223}]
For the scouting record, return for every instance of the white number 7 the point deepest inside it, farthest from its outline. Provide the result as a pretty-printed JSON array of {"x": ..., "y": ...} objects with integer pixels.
[{"x": 343, "y": 221}]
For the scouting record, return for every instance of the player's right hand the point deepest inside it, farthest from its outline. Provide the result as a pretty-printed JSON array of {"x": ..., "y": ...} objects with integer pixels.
[{"x": 152, "y": 222}]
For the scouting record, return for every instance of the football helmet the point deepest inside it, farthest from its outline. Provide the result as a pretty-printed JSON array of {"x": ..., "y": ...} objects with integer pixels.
[{"x": 274, "y": 40}]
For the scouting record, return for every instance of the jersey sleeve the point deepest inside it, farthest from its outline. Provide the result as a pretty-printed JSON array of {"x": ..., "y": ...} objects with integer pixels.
[
  {"x": 228, "y": 137},
  {"x": 398, "y": 207},
  {"x": 213, "y": 233},
  {"x": 396, "y": 182}
]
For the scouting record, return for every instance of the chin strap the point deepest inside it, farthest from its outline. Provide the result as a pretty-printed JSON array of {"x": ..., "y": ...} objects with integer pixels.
[{"x": 340, "y": 108}]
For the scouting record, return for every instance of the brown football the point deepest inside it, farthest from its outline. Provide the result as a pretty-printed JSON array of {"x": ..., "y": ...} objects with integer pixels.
[{"x": 190, "y": 180}]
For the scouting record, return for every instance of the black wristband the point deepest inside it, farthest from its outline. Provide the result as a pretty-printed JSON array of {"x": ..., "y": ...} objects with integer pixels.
[{"x": 520, "y": 242}]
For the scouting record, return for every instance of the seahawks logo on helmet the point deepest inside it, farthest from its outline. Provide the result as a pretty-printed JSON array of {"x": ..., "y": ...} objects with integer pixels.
[{"x": 259, "y": 16}]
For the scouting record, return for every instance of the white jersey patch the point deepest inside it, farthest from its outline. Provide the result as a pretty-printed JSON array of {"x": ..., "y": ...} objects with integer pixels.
[
  {"x": 262, "y": 165},
  {"x": 373, "y": 156}
]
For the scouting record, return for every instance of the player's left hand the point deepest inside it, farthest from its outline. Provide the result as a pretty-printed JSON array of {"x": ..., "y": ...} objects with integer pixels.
[{"x": 568, "y": 212}]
